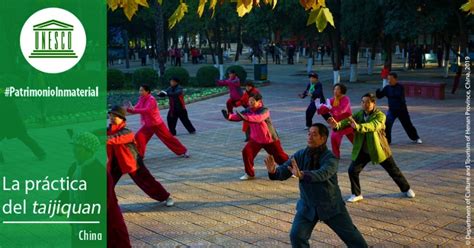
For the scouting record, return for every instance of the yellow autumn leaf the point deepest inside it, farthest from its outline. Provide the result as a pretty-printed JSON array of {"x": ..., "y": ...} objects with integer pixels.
[
  {"x": 113, "y": 4},
  {"x": 177, "y": 15},
  {"x": 321, "y": 21},
  {"x": 318, "y": 4},
  {"x": 130, "y": 7},
  {"x": 328, "y": 16},
  {"x": 246, "y": 2},
  {"x": 242, "y": 9},
  {"x": 202, "y": 4},
  {"x": 273, "y": 3},
  {"x": 308, "y": 4},
  {"x": 468, "y": 7},
  {"x": 212, "y": 6},
  {"x": 312, "y": 16},
  {"x": 143, "y": 3}
]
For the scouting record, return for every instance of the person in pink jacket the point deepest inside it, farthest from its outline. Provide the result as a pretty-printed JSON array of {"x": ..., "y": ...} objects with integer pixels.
[
  {"x": 153, "y": 124},
  {"x": 262, "y": 135},
  {"x": 235, "y": 92},
  {"x": 338, "y": 108}
]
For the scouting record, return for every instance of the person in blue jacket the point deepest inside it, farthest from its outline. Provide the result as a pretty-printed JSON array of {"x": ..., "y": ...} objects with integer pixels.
[
  {"x": 320, "y": 196},
  {"x": 397, "y": 108},
  {"x": 314, "y": 90}
]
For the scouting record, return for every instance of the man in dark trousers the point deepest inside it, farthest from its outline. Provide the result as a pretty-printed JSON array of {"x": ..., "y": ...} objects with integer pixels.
[
  {"x": 320, "y": 196},
  {"x": 314, "y": 89},
  {"x": 177, "y": 109},
  {"x": 397, "y": 108},
  {"x": 370, "y": 144}
]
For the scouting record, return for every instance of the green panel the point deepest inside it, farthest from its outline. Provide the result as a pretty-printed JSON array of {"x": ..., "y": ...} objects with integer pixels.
[{"x": 37, "y": 133}]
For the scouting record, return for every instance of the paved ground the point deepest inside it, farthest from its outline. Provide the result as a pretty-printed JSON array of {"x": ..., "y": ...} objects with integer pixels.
[{"x": 213, "y": 208}]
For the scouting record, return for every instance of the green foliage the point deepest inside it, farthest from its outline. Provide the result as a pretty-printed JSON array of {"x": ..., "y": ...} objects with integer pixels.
[
  {"x": 145, "y": 76},
  {"x": 361, "y": 22},
  {"x": 115, "y": 79},
  {"x": 179, "y": 72},
  {"x": 206, "y": 76},
  {"x": 240, "y": 71}
]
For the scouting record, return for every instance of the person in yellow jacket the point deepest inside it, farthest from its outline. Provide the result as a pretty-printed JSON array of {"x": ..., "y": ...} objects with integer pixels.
[{"x": 370, "y": 145}]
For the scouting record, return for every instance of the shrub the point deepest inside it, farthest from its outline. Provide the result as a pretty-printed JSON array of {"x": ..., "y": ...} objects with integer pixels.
[
  {"x": 206, "y": 76},
  {"x": 115, "y": 79},
  {"x": 145, "y": 76},
  {"x": 240, "y": 71},
  {"x": 179, "y": 72}
]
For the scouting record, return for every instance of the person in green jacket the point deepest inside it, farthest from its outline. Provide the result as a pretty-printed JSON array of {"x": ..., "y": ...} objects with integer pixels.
[{"x": 370, "y": 145}]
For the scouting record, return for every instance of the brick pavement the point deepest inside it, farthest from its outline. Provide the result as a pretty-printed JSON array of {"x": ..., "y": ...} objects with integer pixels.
[{"x": 214, "y": 208}]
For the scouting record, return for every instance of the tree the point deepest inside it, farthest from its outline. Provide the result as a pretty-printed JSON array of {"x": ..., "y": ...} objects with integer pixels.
[
  {"x": 243, "y": 7},
  {"x": 335, "y": 40},
  {"x": 361, "y": 24}
]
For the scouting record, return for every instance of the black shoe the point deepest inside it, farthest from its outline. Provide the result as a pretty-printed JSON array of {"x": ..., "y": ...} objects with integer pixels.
[{"x": 225, "y": 114}]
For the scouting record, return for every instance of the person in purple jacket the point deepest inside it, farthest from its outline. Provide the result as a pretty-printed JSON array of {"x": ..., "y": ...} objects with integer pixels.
[{"x": 235, "y": 92}]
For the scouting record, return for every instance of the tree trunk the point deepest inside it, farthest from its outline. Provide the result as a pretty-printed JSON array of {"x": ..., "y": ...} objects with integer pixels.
[
  {"x": 405, "y": 56},
  {"x": 220, "y": 55},
  {"x": 371, "y": 58},
  {"x": 447, "y": 51},
  {"x": 160, "y": 38},
  {"x": 335, "y": 39},
  {"x": 354, "y": 62},
  {"x": 126, "y": 48},
  {"x": 388, "y": 52},
  {"x": 463, "y": 39},
  {"x": 218, "y": 33},
  {"x": 239, "y": 40},
  {"x": 211, "y": 48}
]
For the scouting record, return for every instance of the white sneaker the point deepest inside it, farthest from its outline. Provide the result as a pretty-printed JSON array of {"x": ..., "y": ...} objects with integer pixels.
[
  {"x": 169, "y": 202},
  {"x": 410, "y": 193},
  {"x": 246, "y": 177},
  {"x": 418, "y": 141},
  {"x": 185, "y": 155},
  {"x": 355, "y": 198}
]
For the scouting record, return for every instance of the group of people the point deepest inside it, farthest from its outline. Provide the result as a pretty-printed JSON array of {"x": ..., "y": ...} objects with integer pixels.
[
  {"x": 126, "y": 150},
  {"x": 369, "y": 130},
  {"x": 314, "y": 166},
  {"x": 175, "y": 54}
]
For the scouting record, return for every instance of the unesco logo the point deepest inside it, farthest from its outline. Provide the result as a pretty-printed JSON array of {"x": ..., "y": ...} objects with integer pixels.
[{"x": 53, "y": 40}]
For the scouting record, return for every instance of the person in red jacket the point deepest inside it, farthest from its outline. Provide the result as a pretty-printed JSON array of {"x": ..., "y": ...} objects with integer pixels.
[
  {"x": 262, "y": 135},
  {"x": 235, "y": 92},
  {"x": 250, "y": 90},
  {"x": 123, "y": 157},
  {"x": 153, "y": 124},
  {"x": 194, "y": 55},
  {"x": 87, "y": 167}
]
